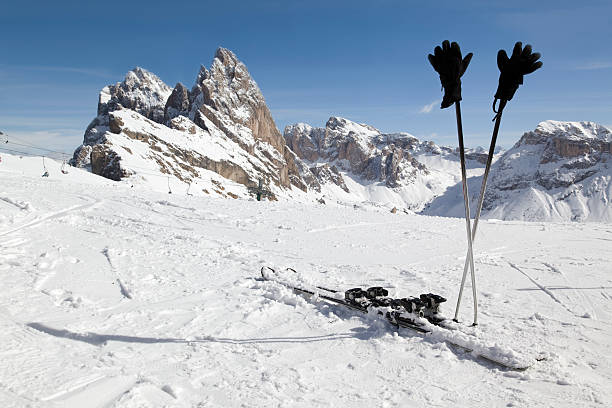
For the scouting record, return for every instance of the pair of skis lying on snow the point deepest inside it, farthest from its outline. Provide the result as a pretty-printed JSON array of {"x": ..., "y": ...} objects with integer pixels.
[{"x": 417, "y": 314}]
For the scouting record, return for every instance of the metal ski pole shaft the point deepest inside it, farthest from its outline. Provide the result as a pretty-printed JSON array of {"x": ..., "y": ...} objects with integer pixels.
[
  {"x": 468, "y": 227},
  {"x": 483, "y": 188}
]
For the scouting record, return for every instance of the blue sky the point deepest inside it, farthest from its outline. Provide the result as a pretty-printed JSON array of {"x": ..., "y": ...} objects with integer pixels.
[{"x": 365, "y": 61}]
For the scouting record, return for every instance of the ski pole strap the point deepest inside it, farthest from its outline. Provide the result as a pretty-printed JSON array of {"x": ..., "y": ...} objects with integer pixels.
[{"x": 498, "y": 111}]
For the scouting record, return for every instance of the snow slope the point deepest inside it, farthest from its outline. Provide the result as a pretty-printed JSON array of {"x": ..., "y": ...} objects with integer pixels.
[{"x": 113, "y": 296}]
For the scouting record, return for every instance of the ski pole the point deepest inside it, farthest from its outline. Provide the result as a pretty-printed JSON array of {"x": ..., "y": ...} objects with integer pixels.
[
  {"x": 512, "y": 70},
  {"x": 466, "y": 202},
  {"x": 450, "y": 65},
  {"x": 469, "y": 258}
]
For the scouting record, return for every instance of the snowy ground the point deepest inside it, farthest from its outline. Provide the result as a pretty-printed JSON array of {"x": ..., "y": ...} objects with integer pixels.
[{"x": 115, "y": 296}]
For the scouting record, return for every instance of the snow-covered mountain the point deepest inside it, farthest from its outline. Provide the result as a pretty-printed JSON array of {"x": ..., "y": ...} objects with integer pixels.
[
  {"x": 219, "y": 138},
  {"x": 561, "y": 171},
  {"x": 355, "y": 162},
  {"x": 219, "y": 135}
]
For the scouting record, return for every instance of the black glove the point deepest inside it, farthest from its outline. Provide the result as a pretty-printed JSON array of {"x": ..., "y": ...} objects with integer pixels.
[
  {"x": 512, "y": 69},
  {"x": 448, "y": 63}
]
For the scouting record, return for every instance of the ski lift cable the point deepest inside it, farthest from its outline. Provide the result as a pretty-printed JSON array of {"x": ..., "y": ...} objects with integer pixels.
[
  {"x": 39, "y": 148},
  {"x": 7, "y": 139},
  {"x": 30, "y": 154},
  {"x": 19, "y": 152}
]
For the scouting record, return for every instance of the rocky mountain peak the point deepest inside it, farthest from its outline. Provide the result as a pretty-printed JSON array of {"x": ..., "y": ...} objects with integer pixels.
[
  {"x": 226, "y": 57},
  {"x": 229, "y": 88},
  {"x": 343, "y": 125},
  {"x": 141, "y": 78},
  {"x": 574, "y": 130},
  {"x": 565, "y": 140},
  {"x": 225, "y": 105},
  {"x": 228, "y": 94},
  {"x": 141, "y": 91},
  {"x": 202, "y": 75}
]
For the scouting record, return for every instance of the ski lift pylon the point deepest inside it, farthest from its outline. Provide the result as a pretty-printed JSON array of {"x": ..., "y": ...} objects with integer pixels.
[
  {"x": 63, "y": 169},
  {"x": 46, "y": 173}
]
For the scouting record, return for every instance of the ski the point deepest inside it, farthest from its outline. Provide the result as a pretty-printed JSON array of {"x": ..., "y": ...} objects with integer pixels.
[{"x": 419, "y": 314}]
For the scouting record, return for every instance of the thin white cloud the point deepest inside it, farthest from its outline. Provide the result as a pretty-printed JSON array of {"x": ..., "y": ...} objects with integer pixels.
[
  {"x": 429, "y": 107},
  {"x": 590, "y": 66},
  {"x": 101, "y": 73}
]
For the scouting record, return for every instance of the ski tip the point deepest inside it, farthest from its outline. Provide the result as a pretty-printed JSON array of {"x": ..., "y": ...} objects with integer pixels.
[{"x": 265, "y": 269}]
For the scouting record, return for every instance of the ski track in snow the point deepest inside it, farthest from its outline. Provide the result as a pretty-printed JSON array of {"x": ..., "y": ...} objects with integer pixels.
[
  {"x": 541, "y": 287},
  {"x": 124, "y": 291},
  {"x": 125, "y": 298},
  {"x": 586, "y": 300},
  {"x": 53, "y": 215}
]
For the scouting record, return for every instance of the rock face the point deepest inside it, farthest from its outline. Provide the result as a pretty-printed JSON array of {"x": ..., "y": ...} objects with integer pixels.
[
  {"x": 358, "y": 148},
  {"x": 178, "y": 103},
  {"x": 381, "y": 167},
  {"x": 561, "y": 171},
  {"x": 224, "y": 105},
  {"x": 328, "y": 174},
  {"x": 140, "y": 91}
]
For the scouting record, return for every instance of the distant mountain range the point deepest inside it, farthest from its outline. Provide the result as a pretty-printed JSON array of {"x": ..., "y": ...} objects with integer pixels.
[
  {"x": 561, "y": 171},
  {"x": 218, "y": 138}
]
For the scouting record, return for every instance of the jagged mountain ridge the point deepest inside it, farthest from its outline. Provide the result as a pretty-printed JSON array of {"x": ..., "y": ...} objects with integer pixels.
[
  {"x": 561, "y": 171},
  {"x": 132, "y": 135},
  {"x": 394, "y": 169}
]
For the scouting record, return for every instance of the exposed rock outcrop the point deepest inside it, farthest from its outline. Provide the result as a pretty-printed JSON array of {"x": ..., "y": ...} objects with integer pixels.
[
  {"x": 328, "y": 174},
  {"x": 178, "y": 103}
]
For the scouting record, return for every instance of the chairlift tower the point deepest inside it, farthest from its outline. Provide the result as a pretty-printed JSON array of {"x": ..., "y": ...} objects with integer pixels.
[{"x": 260, "y": 191}]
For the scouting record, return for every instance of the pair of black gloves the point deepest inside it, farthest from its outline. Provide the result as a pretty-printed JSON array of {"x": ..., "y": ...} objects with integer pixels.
[{"x": 448, "y": 62}]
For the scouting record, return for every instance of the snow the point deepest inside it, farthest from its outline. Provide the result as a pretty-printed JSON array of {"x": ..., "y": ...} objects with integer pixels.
[
  {"x": 113, "y": 296},
  {"x": 147, "y": 88},
  {"x": 105, "y": 95}
]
